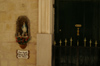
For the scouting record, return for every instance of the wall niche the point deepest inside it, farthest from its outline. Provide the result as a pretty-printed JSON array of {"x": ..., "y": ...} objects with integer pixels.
[{"x": 22, "y": 31}]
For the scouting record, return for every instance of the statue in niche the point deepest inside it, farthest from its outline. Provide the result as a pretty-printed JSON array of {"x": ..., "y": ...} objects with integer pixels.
[{"x": 22, "y": 31}]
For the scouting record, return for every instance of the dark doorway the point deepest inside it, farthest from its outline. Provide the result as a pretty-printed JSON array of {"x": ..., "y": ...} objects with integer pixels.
[{"x": 77, "y": 45}]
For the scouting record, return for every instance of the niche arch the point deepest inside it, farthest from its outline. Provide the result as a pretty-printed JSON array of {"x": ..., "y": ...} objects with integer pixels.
[{"x": 19, "y": 24}]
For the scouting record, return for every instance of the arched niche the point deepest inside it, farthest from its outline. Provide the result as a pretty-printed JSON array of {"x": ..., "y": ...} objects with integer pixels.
[
  {"x": 22, "y": 25},
  {"x": 22, "y": 31}
]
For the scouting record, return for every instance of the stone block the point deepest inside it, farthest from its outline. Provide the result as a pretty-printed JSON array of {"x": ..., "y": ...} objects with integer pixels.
[
  {"x": 34, "y": 5},
  {"x": 32, "y": 47},
  {"x": 10, "y": 17},
  {"x": 3, "y": 16},
  {"x": 22, "y": 64},
  {"x": 13, "y": 63},
  {"x": 12, "y": 38},
  {"x": 11, "y": 6},
  {"x": 31, "y": 65},
  {"x": 32, "y": 59},
  {"x": 4, "y": 63},
  {"x": 1, "y": 56},
  {"x": 34, "y": 13},
  {"x": 33, "y": 39},
  {"x": 4, "y": 6},
  {"x": 14, "y": 46},
  {"x": 5, "y": 37},
  {"x": 20, "y": 13},
  {"x": 8, "y": 27},
  {"x": 11, "y": 56},
  {"x": 21, "y": 7},
  {"x": 1, "y": 27},
  {"x": 22, "y": 61},
  {"x": 6, "y": 46},
  {"x": 33, "y": 0},
  {"x": 2, "y": 0}
]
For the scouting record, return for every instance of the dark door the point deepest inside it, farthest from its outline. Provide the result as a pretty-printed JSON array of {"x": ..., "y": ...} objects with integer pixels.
[
  {"x": 86, "y": 15},
  {"x": 69, "y": 13}
]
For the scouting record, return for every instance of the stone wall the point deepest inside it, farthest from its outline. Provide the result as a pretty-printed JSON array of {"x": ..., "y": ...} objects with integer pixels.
[{"x": 10, "y": 10}]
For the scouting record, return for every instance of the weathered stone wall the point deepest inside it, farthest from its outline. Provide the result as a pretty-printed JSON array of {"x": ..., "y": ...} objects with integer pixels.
[{"x": 10, "y": 10}]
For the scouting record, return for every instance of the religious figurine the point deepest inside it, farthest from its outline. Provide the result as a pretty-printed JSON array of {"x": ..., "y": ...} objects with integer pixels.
[{"x": 24, "y": 28}]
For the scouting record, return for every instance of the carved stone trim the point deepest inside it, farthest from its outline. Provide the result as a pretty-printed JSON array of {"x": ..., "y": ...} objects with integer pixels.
[
  {"x": 45, "y": 30},
  {"x": 45, "y": 16},
  {"x": 44, "y": 50}
]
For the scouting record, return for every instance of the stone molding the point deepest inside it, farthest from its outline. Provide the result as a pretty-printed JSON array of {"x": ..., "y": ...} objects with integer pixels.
[
  {"x": 44, "y": 50},
  {"x": 45, "y": 23},
  {"x": 45, "y": 33}
]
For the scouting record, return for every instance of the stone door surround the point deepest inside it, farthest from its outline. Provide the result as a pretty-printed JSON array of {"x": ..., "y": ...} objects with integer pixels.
[{"x": 45, "y": 33}]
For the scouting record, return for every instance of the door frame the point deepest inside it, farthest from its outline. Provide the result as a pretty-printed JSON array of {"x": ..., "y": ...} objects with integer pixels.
[{"x": 45, "y": 32}]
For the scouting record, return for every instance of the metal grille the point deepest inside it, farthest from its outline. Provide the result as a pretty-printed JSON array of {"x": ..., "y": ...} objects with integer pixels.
[
  {"x": 77, "y": 33},
  {"x": 75, "y": 56}
]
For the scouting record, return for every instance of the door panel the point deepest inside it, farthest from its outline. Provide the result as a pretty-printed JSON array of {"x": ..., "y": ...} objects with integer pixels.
[{"x": 68, "y": 13}]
